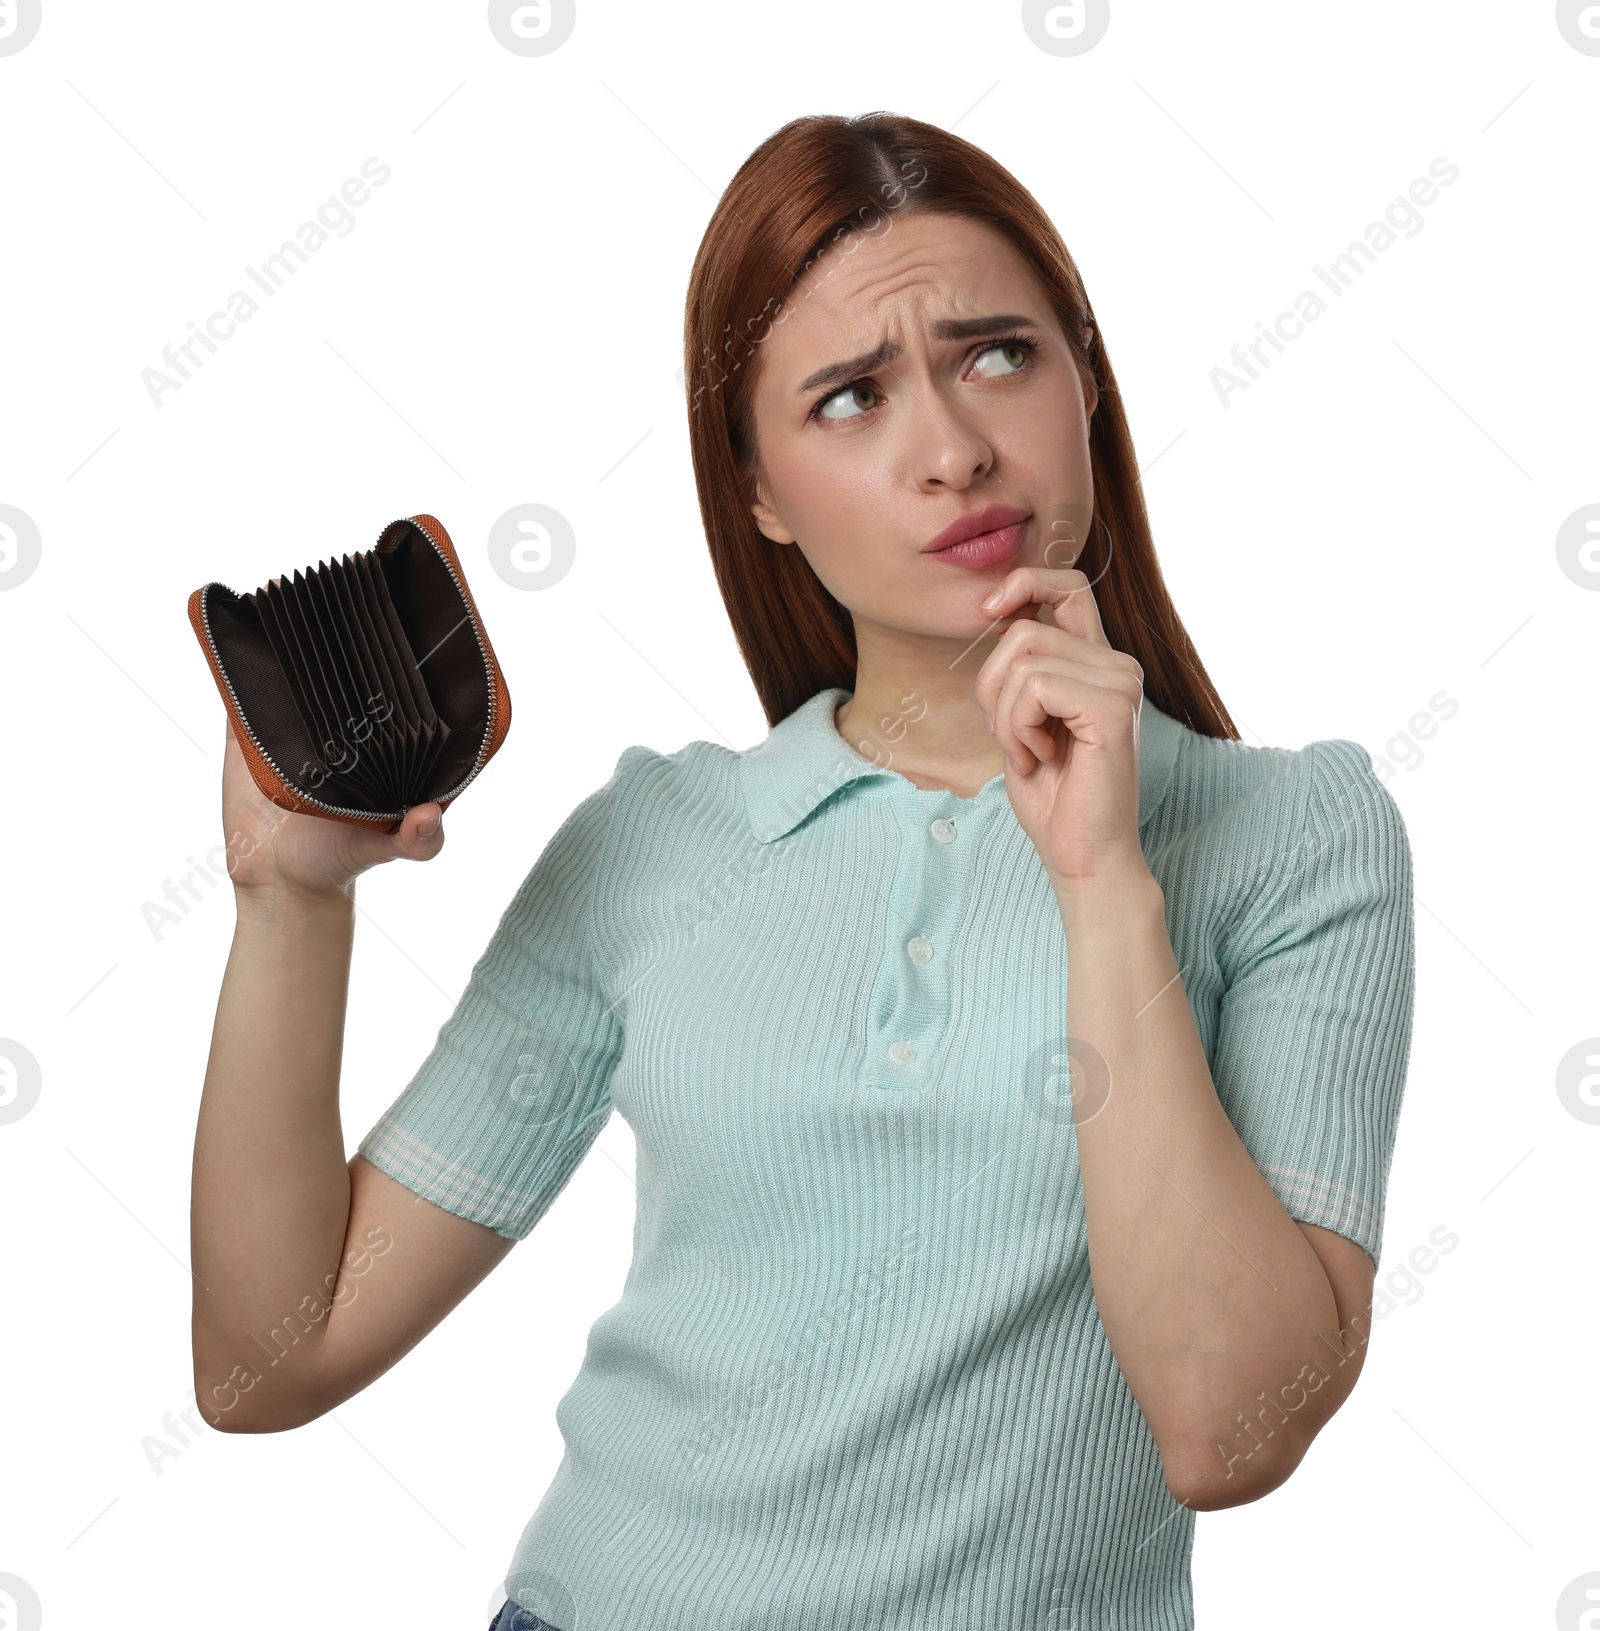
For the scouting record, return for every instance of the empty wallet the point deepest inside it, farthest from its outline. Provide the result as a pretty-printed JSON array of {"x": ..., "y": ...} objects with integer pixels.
[{"x": 359, "y": 687}]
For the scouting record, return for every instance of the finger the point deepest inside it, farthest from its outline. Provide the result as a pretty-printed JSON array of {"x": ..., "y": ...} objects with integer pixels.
[
  {"x": 1022, "y": 737},
  {"x": 1027, "y": 639},
  {"x": 1065, "y": 590},
  {"x": 1026, "y": 729},
  {"x": 418, "y": 837},
  {"x": 412, "y": 840},
  {"x": 421, "y": 834},
  {"x": 1048, "y": 701}
]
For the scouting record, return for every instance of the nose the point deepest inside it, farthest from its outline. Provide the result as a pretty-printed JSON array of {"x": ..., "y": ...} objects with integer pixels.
[{"x": 947, "y": 448}]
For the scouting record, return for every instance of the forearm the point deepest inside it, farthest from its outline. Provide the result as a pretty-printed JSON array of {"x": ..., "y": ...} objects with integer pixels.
[
  {"x": 271, "y": 1192},
  {"x": 1208, "y": 1291}
]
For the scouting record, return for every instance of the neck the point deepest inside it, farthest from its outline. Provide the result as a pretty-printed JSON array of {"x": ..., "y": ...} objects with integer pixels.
[{"x": 914, "y": 709}]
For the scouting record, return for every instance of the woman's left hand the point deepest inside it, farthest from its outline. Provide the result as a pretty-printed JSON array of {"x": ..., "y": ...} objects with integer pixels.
[{"x": 1064, "y": 705}]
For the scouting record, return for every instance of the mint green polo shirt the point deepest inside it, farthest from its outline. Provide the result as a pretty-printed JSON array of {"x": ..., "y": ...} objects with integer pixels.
[{"x": 855, "y": 1379}]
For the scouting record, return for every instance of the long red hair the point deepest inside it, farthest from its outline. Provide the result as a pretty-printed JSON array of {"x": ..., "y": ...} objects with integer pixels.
[{"x": 806, "y": 186}]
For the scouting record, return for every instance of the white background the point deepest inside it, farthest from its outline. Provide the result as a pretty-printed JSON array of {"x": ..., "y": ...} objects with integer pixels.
[{"x": 1370, "y": 524}]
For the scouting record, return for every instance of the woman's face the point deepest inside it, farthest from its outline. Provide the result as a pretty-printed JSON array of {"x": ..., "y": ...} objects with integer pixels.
[{"x": 917, "y": 378}]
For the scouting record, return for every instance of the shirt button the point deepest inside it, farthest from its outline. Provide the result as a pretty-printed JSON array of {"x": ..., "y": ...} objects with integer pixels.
[
  {"x": 902, "y": 1052},
  {"x": 944, "y": 831},
  {"x": 919, "y": 949}
]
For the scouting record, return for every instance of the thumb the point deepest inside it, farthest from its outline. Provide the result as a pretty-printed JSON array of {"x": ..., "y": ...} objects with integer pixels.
[{"x": 419, "y": 837}]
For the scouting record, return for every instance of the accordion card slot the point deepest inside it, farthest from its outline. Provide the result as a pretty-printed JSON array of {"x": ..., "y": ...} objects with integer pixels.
[
  {"x": 402, "y": 684},
  {"x": 296, "y": 655},
  {"x": 405, "y": 682},
  {"x": 335, "y": 642},
  {"x": 381, "y": 683}
]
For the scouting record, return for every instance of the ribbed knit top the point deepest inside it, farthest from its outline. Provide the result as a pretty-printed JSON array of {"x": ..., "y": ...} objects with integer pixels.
[{"x": 856, "y": 1379}]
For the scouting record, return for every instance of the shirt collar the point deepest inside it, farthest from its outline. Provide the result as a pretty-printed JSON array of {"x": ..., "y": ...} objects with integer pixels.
[{"x": 805, "y": 761}]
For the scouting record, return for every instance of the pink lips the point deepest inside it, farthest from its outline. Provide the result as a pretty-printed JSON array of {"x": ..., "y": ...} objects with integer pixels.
[
  {"x": 984, "y": 538},
  {"x": 987, "y": 549}
]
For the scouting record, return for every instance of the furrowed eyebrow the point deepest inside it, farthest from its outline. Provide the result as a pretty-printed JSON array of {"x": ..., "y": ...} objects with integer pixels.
[
  {"x": 841, "y": 373},
  {"x": 947, "y": 328},
  {"x": 974, "y": 328}
]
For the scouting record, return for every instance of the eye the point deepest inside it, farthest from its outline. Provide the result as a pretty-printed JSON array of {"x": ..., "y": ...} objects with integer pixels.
[
  {"x": 1009, "y": 354},
  {"x": 849, "y": 403},
  {"x": 1013, "y": 355}
]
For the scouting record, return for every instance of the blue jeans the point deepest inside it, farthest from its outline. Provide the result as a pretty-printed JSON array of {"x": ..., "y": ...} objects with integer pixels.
[{"x": 513, "y": 1617}]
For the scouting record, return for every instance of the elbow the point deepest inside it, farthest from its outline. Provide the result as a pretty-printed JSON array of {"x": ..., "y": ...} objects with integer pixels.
[
  {"x": 238, "y": 1390},
  {"x": 1214, "y": 1494},
  {"x": 226, "y": 1406},
  {"x": 1211, "y": 1477},
  {"x": 237, "y": 1402},
  {"x": 217, "y": 1392},
  {"x": 226, "y": 1392},
  {"x": 240, "y": 1414},
  {"x": 1210, "y": 1491}
]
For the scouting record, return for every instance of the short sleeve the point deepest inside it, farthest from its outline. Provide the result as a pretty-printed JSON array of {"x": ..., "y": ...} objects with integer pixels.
[
  {"x": 517, "y": 1086},
  {"x": 1314, "y": 1033}
]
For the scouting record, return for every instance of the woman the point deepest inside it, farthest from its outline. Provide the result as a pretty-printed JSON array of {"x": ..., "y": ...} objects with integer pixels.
[{"x": 958, "y": 1285}]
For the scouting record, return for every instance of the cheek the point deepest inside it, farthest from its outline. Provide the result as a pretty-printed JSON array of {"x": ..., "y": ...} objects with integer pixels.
[
  {"x": 1044, "y": 435},
  {"x": 852, "y": 568},
  {"x": 840, "y": 510}
]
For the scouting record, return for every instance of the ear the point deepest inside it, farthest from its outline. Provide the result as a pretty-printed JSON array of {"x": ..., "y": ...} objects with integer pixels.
[{"x": 768, "y": 522}]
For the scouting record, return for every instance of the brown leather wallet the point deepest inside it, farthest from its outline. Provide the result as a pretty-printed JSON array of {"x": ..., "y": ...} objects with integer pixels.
[{"x": 360, "y": 687}]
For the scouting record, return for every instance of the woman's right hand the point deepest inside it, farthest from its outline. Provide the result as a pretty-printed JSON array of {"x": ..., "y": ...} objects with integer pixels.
[{"x": 273, "y": 851}]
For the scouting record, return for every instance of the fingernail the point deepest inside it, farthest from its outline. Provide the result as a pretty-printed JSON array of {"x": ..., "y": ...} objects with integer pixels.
[
  {"x": 990, "y": 600},
  {"x": 428, "y": 827},
  {"x": 988, "y": 724}
]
